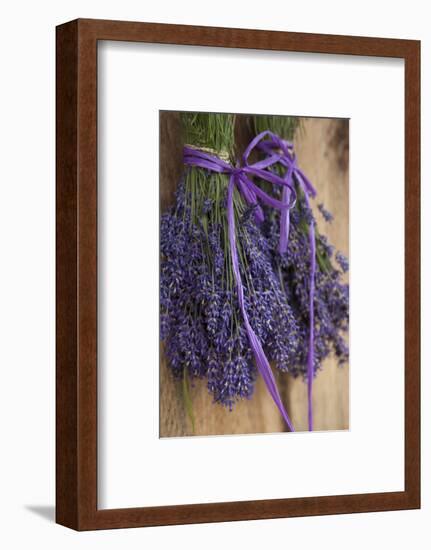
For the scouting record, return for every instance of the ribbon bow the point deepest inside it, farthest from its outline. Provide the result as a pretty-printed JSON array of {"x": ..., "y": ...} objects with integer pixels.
[{"x": 278, "y": 151}]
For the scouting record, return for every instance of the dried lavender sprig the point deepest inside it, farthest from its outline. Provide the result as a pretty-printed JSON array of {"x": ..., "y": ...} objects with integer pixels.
[{"x": 327, "y": 216}]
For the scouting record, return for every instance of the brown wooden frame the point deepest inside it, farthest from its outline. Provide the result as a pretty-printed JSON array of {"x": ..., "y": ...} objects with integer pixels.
[{"x": 76, "y": 374}]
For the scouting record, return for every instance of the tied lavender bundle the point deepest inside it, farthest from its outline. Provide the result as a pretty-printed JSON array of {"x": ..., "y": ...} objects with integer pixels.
[
  {"x": 331, "y": 292},
  {"x": 201, "y": 323}
]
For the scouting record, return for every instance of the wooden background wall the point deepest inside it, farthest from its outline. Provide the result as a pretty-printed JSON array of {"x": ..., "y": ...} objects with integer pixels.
[{"x": 322, "y": 150}]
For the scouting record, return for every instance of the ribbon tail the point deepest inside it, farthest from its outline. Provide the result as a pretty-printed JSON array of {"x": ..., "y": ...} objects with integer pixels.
[
  {"x": 306, "y": 185},
  {"x": 305, "y": 182},
  {"x": 310, "y": 358},
  {"x": 265, "y": 370},
  {"x": 284, "y": 222},
  {"x": 260, "y": 357},
  {"x": 285, "y": 213}
]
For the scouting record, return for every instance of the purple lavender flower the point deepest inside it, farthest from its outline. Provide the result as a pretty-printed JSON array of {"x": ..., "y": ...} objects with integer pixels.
[
  {"x": 331, "y": 301},
  {"x": 342, "y": 261},
  {"x": 325, "y": 213},
  {"x": 200, "y": 317},
  {"x": 207, "y": 205}
]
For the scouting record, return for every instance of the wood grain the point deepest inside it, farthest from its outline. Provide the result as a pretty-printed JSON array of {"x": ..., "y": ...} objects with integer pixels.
[{"x": 66, "y": 278}]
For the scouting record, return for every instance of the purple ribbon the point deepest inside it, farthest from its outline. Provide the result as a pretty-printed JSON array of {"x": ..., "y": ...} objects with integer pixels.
[
  {"x": 288, "y": 160},
  {"x": 278, "y": 151}
]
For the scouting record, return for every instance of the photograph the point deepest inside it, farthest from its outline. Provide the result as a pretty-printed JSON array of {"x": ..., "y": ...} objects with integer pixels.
[{"x": 254, "y": 273}]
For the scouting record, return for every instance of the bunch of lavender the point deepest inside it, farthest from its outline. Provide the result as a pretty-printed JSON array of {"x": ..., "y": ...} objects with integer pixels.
[
  {"x": 284, "y": 126},
  {"x": 331, "y": 296},
  {"x": 201, "y": 322}
]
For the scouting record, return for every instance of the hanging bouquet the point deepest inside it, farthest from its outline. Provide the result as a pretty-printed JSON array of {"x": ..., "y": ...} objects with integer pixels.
[{"x": 246, "y": 278}]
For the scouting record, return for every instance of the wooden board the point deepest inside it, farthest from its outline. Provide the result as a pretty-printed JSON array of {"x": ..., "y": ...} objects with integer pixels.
[{"x": 322, "y": 149}]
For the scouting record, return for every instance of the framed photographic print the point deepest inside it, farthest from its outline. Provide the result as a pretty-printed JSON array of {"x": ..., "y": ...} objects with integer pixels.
[{"x": 238, "y": 274}]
